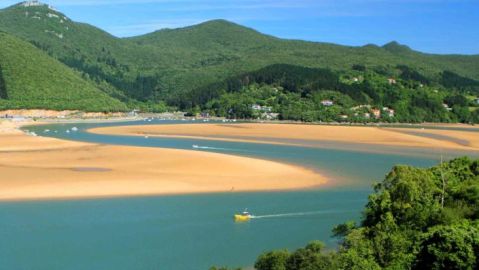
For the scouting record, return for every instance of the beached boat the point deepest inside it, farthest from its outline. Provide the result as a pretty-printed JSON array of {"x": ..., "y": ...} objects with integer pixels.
[{"x": 245, "y": 216}]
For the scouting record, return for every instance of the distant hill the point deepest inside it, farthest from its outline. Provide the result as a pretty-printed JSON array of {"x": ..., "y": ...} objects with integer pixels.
[
  {"x": 166, "y": 64},
  {"x": 30, "y": 79}
]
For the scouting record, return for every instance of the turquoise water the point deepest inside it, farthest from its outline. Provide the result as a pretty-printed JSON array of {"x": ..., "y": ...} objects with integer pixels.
[{"x": 193, "y": 231}]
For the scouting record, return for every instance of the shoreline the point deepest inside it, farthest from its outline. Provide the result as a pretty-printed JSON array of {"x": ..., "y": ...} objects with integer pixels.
[{"x": 40, "y": 168}]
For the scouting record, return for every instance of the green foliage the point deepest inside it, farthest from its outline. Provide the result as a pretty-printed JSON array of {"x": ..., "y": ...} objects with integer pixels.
[
  {"x": 415, "y": 219},
  {"x": 310, "y": 257},
  {"x": 449, "y": 247},
  {"x": 3, "y": 86},
  {"x": 37, "y": 81},
  {"x": 273, "y": 260},
  {"x": 453, "y": 80},
  {"x": 344, "y": 229}
]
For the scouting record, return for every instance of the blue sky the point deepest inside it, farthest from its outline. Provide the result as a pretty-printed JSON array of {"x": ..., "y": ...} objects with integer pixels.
[{"x": 435, "y": 26}]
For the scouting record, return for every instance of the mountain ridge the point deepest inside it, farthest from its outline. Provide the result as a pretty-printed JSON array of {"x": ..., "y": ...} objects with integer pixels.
[
  {"x": 388, "y": 45},
  {"x": 167, "y": 64}
]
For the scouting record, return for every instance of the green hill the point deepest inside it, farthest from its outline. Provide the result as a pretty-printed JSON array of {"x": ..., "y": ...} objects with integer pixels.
[
  {"x": 31, "y": 79},
  {"x": 171, "y": 64},
  {"x": 239, "y": 49}
]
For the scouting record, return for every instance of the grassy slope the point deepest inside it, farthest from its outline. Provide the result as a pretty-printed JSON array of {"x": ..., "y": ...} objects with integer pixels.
[{"x": 35, "y": 80}]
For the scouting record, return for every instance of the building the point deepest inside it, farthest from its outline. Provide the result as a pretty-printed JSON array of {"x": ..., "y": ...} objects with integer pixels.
[
  {"x": 389, "y": 112},
  {"x": 134, "y": 113},
  {"x": 361, "y": 107},
  {"x": 446, "y": 107},
  {"x": 376, "y": 113},
  {"x": 477, "y": 101},
  {"x": 256, "y": 107},
  {"x": 367, "y": 115},
  {"x": 205, "y": 115},
  {"x": 392, "y": 81},
  {"x": 269, "y": 116},
  {"x": 327, "y": 103},
  {"x": 266, "y": 109}
]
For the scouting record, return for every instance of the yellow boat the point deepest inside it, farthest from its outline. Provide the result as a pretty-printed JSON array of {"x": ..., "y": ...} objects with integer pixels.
[{"x": 243, "y": 217}]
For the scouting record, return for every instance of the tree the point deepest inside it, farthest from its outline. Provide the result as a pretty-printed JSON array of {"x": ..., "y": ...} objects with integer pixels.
[
  {"x": 309, "y": 258},
  {"x": 450, "y": 247},
  {"x": 3, "y": 87},
  {"x": 273, "y": 260}
]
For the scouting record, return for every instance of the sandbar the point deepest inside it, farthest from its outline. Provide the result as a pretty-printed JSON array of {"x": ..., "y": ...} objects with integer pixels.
[
  {"x": 33, "y": 168},
  {"x": 308, "y": 135}
]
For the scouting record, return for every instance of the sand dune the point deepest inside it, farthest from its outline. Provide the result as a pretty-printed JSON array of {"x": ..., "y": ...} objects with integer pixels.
[{"x": 46, "y": 168}]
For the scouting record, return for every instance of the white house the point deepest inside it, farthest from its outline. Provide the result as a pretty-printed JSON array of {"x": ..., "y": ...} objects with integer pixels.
[
  {"x": 256, "y": 107},
  {"x": 388, "y": 111},
  {"x": 327, "y": 103}
]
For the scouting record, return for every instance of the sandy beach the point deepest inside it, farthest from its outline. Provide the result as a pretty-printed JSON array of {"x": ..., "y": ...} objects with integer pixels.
[
  {"x": 46, "y": 168},
  {"x": 309, "y": 135}
]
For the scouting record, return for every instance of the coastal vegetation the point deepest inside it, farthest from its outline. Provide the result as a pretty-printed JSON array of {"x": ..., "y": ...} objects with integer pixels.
[
  {"x": 197, "y": 69},
  {"x": 415, "y": 219}
]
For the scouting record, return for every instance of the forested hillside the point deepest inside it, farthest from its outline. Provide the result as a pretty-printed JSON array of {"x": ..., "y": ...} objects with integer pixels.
[
  {"x": 3, "y": 87},
  {"x": 30, "y": 79},
  {"x": 415, "y": 219},
  {"x": 361, "y": 94},
  {"x": 174, "y": 66}
]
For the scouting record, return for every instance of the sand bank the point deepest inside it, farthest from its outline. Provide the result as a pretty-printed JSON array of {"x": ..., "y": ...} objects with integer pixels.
[
  {"x": 308, "y": 135},
  {"x": 47, "y": 168}
]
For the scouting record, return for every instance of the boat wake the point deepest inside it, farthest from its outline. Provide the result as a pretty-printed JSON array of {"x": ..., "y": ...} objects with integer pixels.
[
  {"x": 208, "y": 147},
  {"x": 217, "y": 148},
  {"x": 292, "y": 214}
]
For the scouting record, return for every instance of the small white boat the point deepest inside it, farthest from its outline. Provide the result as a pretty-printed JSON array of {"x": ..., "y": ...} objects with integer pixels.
[{"x": 195, "y": 146}]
